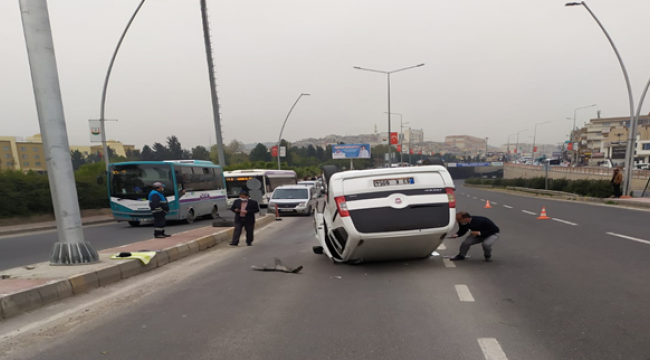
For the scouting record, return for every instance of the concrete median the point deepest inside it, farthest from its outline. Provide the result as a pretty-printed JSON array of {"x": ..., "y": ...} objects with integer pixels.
[{"x": 26, "y": 289}]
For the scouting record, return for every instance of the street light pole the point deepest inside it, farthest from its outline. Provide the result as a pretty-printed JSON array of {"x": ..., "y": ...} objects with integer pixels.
[
  {"x": 629, "y": 152},
  {"x": 71, "y": 247},
  {"x": 102, "y": 119},
  {"x": 517, "y": 146},
  {"x": 216, "y": 115},
  {"x": 573, "y": 130},
  {"x": 390, "y": 146},
  {"x": 283, "y": 124},
  {"x": 401, "y": 135},
  {"x": 535, "y": 137}
]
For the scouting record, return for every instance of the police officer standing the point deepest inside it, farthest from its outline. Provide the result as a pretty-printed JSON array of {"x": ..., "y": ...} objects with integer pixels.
[{"x": 159, "y": 207}]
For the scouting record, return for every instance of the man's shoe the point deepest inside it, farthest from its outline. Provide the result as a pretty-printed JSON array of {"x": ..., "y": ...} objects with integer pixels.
[
  {"x": 488, "y": 259},
  {"x": 166, "y": 235},
  {"x": 247, "y": 244},
  {"x": 457, "y": 258},
  {"x": 159, "y": 236},
  {"x": 233, "y": 244}
]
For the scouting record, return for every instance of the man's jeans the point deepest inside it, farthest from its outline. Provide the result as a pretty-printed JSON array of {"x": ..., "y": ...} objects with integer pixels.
[{"x": 486, "y": 242}]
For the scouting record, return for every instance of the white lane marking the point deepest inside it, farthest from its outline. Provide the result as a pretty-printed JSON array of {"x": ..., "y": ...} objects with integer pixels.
[
  {"x": 475, "y": 197},
  {"x": 507, "y": 206},
  {"x": 493, "y": 203},
  {"x": 565, "y": 222},
  {"x": 629, "y": 238},
  {"x": 491, "y": 349},
  {"x": 448, "y": 263},
  {"x": 482, "y": 199},
  {"x": 528, "y": 212},
  {"x": 463, "y": 293},
  {"x": 442, "y": 247}
]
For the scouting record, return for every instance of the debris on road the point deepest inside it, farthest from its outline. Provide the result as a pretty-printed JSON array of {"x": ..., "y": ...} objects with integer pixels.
[
  {"x": 144, "y": 257},
  {"x": 278, "y": 267}
]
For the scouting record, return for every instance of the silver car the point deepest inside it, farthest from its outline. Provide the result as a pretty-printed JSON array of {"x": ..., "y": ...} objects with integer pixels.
[{"x": 293, "y": 199}]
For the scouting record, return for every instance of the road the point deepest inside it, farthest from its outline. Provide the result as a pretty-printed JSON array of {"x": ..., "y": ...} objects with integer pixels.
[
  {"x": 30, "y": 248},
  {"x": 554, "y": 291}
]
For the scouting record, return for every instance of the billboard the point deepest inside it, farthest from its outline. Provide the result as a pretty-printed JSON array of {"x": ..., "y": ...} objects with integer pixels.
[
  {"x": 351, "y": 151},
  {"x": 95, "y": 130}
]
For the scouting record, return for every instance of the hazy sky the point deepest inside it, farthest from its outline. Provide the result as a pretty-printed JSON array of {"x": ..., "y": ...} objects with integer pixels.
[{"x": 492, "y": 67}]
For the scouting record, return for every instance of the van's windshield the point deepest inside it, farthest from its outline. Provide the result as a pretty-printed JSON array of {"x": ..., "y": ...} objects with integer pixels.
[{"x": 290, "y": 194}]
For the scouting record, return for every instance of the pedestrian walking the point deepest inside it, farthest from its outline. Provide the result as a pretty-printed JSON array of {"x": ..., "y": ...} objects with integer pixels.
[
  {"x": 481, "y": 231},
  {"x": 245, "y": 209},
  {"x": 159, "y": 208},
  {"x": 617, "y": 180}
]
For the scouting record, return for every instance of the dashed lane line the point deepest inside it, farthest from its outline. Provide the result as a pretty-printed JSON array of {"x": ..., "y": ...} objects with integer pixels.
[
  {"x": 475, "y": 198},
  {"x": 565, "y": 222},
  {"x": 448, "y": 263},
  {"x": 463, "y": 293},
  {"x": 629, "y": 238},
  {"x": 528, "y": 212},
  {"x": 508, "y": 207},
  {"x": 482, "y": 199},
  {"x": 491, "y": 349}
]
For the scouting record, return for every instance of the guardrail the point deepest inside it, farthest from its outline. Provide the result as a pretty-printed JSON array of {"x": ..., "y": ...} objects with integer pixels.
[{"x": 636, "y": 174}]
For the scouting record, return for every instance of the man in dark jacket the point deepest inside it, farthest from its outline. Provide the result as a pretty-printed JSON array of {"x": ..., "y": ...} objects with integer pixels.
[
  {"x": 159, "y": 207},
  {"x": 482, "y": 231},
  {"x": 245, "y": 210}
]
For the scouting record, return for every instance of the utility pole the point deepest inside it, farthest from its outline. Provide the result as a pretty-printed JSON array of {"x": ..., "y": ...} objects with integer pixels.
[
  {"x": 213, "y": 83},
  {"x": 71, "y": 249}
]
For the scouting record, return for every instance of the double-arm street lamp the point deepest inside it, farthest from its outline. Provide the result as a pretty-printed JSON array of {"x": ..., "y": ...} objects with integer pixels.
[
  {"x": 535, "y": 136},
  {"x": 390, "y": 147},
  {"x": 634, "y": 117}
]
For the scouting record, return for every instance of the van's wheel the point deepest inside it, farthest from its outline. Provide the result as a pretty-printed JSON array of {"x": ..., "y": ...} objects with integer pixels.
[
  {"x": 190, "y": 216},
  {"x": 134, "y": 223},
  {"x": 215, "y": 213},
  {"x": 328, "y": 171}
]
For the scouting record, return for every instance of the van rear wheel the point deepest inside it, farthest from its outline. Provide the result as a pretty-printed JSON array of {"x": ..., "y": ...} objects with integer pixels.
[
  {"x": 190, "y": 216},
  {"x": 134, "y": 223}
]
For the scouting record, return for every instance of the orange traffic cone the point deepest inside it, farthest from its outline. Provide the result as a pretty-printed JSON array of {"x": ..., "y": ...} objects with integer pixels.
[
  {"x": 543, "y": 216},
  {"x": 487, "y": 205}
]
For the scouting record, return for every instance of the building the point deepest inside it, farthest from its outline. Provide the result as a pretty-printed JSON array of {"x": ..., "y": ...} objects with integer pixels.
[
  {"x": 29, "y": 154},
  {"x": 22, "y": 154},
  {"x": 607, "y": 138},
  {"x": 466, "y": 142}
]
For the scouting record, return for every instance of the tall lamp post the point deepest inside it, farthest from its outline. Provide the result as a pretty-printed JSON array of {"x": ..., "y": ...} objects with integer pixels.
[
  {"x": 634, "y": 118},
  {"x": 390, "y": 146},
  {"x": 517, "y": 146},
  {"x": 508, "y": 154},
  {"x": 573, "y": 131},
  {"x": 401, "y": 136},
  {"x": 102, "y": 107},
  {"x": 285, "y": 123},
  {"x": 535, "y": 136},
  {"x": 71, "y": 247}
]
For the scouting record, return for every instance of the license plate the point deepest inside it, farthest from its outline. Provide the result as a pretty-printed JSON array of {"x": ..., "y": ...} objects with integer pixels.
[
  {"x": 393, "y": 182},
  {"x": 286, "y": 210}
]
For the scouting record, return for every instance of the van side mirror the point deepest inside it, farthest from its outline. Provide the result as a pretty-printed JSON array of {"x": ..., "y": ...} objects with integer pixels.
[{"x": 100, "y": 180}]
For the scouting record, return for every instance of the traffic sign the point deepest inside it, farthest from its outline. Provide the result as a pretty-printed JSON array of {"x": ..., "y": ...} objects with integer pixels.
[{"x": 274, "y": 151}]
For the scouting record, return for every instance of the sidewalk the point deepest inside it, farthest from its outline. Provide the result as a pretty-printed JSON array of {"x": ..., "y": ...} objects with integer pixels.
[
  {"x": 25, "y": 289},
  {"x": 49, "y": 225}
]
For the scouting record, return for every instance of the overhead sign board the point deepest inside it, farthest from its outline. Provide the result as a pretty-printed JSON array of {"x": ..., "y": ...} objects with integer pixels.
[{"x": 351, "y": 151}]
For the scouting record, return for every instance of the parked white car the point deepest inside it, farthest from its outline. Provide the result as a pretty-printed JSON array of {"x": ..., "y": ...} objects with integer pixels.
[{"x": 384, "y": 214}]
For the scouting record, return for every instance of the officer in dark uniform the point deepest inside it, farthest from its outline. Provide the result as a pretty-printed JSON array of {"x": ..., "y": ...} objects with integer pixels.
[{"x": 159, "y": 208}]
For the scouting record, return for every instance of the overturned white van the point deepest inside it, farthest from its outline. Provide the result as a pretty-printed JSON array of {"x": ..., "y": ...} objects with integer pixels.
[{"x": 384, "y": 214}]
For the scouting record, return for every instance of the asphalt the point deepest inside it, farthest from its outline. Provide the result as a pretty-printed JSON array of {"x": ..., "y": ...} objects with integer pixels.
[
  {"x": 554, "y": 291},
  {"x": 30, "y": 248}
]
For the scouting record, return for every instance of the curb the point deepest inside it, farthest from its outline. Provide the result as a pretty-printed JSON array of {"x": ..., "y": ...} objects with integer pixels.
[
  {"x": 23, "y": 230},
  {"x": 23, "y": 301},
  {"x": 558, "y": 195}
]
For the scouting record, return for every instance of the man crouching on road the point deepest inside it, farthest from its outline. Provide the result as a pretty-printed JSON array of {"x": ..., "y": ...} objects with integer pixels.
[{"x": 482, "y": 231}]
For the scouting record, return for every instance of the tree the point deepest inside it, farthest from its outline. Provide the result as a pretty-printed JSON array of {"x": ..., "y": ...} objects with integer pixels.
[
  {"x": 175, "y": 148},
  {"x": 260, "y": 153},
  {"x": 78, "y": 159},
  {"x": 320, "y": 154},
  {"x": 214, "y": 155},
  {"x": 200, "y": 153},
  {"x": 311, "y": 151},
  {"x": 134, "y": 155},
  {"x": 161, "y": 152},
  {"x": 147, "y": 154},
  {"x": 235, "y": 147},
  {"x": 238, "y": 158}
]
